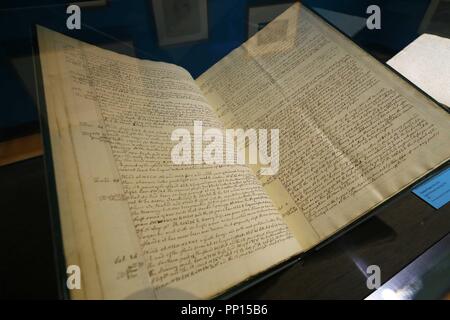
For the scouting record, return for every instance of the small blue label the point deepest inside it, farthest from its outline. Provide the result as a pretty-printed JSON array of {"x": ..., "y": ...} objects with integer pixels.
[{"x": 435, "y": 190}]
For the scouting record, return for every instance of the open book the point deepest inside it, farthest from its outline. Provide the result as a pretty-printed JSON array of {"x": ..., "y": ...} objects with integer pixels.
[{"x": 352, "y": 135}]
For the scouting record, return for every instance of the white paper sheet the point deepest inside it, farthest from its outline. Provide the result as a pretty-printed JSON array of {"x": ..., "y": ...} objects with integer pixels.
[{"x": 426, "y": 63}]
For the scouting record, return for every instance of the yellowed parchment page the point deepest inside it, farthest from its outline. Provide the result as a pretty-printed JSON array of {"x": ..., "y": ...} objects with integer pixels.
[
  {"x": 352, "y": 133},
  {"x": 138, "y": 225}
]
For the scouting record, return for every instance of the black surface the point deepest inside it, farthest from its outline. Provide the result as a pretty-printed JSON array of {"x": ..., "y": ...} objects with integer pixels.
[
  {"x": 27, "y": 268},
  {"x": 133, "y": 22},
  {"x": 396, "y": 235}
]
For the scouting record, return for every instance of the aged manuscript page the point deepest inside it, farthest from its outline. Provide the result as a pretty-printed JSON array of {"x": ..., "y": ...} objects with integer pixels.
[
  {"x": 352, "y": 133},
  {"x": 138, "y": 225}
]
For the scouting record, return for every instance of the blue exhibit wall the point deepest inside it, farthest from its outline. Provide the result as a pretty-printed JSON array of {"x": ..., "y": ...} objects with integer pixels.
[{"x": 133, "y": 22}]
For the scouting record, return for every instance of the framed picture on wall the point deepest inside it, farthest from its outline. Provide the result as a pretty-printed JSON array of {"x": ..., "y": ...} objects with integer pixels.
[
  {"x": 260, "y": 15},
  {"x": 180, "y": 21}
]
